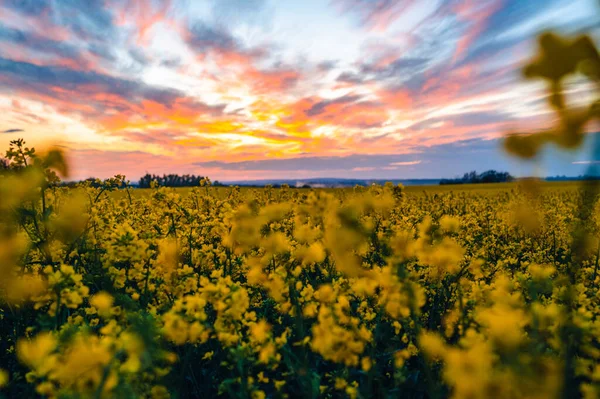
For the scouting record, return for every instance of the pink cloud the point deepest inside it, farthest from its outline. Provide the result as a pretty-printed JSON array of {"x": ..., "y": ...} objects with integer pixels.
[
  {"x": 376, "y": 15},
  {"x": 476, "y": 13}
]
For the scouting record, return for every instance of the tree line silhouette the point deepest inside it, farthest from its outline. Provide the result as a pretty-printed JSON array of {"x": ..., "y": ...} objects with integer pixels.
[
  {"x": 490, "y": 176},
  {"x": 172, "y": 180}
]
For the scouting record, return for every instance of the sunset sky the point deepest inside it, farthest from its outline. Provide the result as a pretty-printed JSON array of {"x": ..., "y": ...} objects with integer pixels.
[{"x": 254, "y": 89}]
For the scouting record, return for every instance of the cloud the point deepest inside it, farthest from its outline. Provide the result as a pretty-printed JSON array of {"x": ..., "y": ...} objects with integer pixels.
[
  {"x": 35, "y": 48},
  {"x": 203, "y": 37},
  {"x": 144, "y": 16},
  {"x": 226, "y": 80},
  {"x": 345, "y": 111},
  {"x": 13, "y": 131},
  {"x": 378, "y": 14},
  {"x": 89, "y": 20},
  {"x": 465, "y": 118},
  {"x": 435, "y": 161},
  {"x": 103, "y": 164},
  {"x": 320, "y": 107},
  {"x": 160, "y": 137},
  {"x": 585, "y": 162},
  {"x": 420, "y": 161},
  {"x": 457, "y": 48},
  {"x": 255, "y": 12},
  {"x": 125, "y": 99},
  {"x": 271, "y": 80},
  {"x": 351, "y": 77},
  {"x": 323, "y": 164},
  {"x": 363, "y": 169},
  {"x": 405, "y": 163},
  {"x": 232, "y": 55},
  {"x": 398, "y": 68}
]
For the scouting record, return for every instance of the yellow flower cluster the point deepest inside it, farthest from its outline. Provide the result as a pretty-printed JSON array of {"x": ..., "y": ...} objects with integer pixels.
[{"x": 274, "y": 292}]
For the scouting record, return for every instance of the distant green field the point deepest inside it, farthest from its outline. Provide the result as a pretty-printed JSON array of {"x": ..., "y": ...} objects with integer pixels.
[
  {"x": 483, "y": 189},
  {"x": 491, "y": 187}
]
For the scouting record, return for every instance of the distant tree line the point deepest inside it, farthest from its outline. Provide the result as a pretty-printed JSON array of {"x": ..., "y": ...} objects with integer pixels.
[
  {"x": 173, "y": 180},
  {"x": 572, "y": 178},
  {"x": 490, "y": 176}
]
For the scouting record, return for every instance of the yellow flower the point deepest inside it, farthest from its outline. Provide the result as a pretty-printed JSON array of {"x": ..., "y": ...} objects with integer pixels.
[
  {"x": 3, "y": 378},
  {"x": 45, "y": 388},
  {"x": 35, "y": 353},
  {"x": 102, "y": 301},
  {"x": 432, "y": 345},
  {"x": 262, "y": 378},
  {"x": 260, "y": 331},
  {"x": 399, "y": 359},
  {"x": 340, "y": 383},
  {"x": 267, "y": 353},
  {"x": 134, "y": 348},
  {"x": 159, "y": 392},
  {"x": 366, "y": 364},
  {"x": 325, "y": 293},
  {"x": 352, "y": 391},
  {"x": 449, "y": 223},
  {"x": 541, "y": 272},
  {"x": 504, "y": 325},
  {"x": 167, "y": 255},
  {"x": 315, "y": 253}
]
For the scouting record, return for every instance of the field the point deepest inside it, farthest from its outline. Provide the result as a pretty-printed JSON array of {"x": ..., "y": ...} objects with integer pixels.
[
  {"x": 481, "y": 189},
  {"x": 421, "y": 292}
]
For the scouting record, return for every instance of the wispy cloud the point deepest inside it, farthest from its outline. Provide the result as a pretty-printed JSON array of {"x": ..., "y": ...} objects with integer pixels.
[
  {"x": 585, "y": 162},
  {"x": 405, "y": 163},
  {"x": 264, "y": 87}
]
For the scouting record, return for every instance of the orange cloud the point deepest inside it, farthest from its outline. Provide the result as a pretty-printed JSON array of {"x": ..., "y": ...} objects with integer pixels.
[
  {"x": 270, "y": 81},
  {"x": 144, "y": 15},
  {"x": 396, "y": 99},
  {"x": 309, "y": 113}
]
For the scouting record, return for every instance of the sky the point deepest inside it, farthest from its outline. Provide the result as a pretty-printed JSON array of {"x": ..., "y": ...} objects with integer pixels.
[{"x": 267, "y": 89}]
